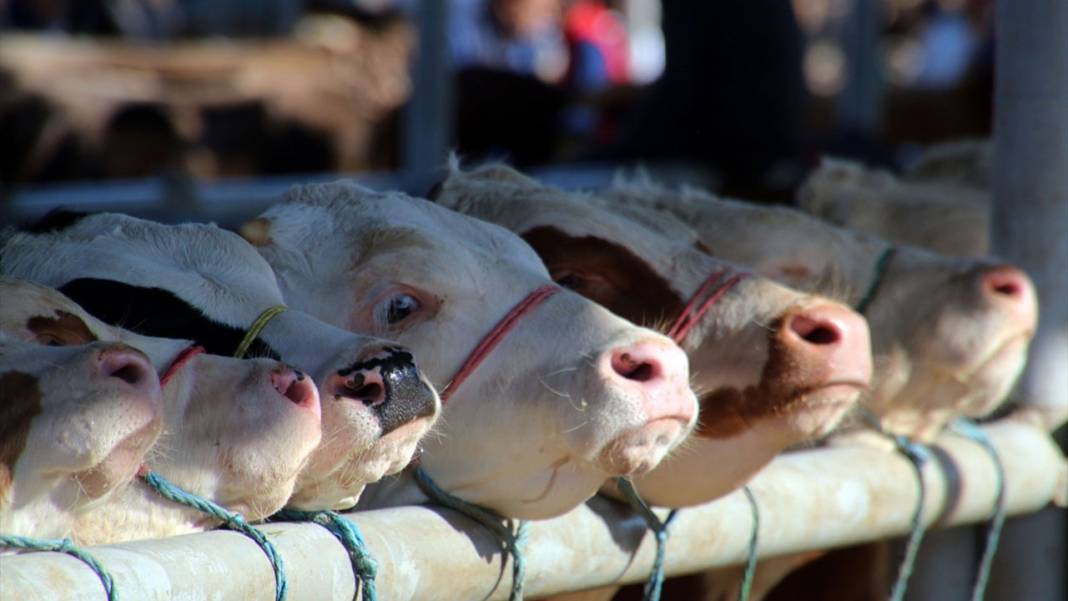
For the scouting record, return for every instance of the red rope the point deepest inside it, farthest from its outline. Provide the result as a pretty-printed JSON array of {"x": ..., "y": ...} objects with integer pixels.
[
  {"x": 183, "y": 357},
  {"x": 494, "y": 337},
  {"x": 690, "y": 316}
]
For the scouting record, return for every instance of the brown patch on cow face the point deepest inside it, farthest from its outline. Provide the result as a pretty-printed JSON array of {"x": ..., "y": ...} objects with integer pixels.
[
  {"x": 702, "y": 247},
  {"x": 65, "y": 329},
  {"x": 20, "y": 401},
  {"x": 606, "y": 273},
  {"x": 257, "y": 232},
  {"x": 729, "y": 411}
]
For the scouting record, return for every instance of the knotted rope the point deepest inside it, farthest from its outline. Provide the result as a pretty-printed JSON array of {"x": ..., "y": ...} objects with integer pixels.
[
  {"x": 63, "y": 545},
  {"x": 879, "y": 273},
  {"x": 917, "y": 455},
  {"x": 655, "y": 583},
  {"x": 971, "y": 431},
  {"x": 256, "y": 328},
  {"x": 754, "y": 539},
  {"x": 513, "y": 539},
  {"x": 364, "y": 565},
  {"x": 232, "y": 520}
]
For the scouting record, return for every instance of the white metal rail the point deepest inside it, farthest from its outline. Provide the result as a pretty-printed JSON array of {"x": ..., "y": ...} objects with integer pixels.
[{"x": 810, "y": 500}]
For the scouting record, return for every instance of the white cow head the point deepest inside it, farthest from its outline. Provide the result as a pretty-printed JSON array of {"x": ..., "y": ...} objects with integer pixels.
[
  {"x": 75, "y": 424},
  {"x": 775, "y": 367},
  {"x": 949, "y": 335},
  {"x": 572, "y": 395},
  {"x": 199, "y": 282}
]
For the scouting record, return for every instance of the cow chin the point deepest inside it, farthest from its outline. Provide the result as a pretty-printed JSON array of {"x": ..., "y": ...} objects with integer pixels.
[
  {"x": 816, "y": 413},
  {"x": 121, "y": 463},
  {"x": 639, "y": 450}
]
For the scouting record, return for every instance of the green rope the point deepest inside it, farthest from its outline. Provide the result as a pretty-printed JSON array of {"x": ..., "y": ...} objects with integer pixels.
[
  {"x": 234, "y": 521},
  {"x": 256, "y": 328},
  {"x": 881, "y": 263},
  {"x": 973, "y": 432},
  {"x": 63, "y": 545},
  {"x": 655, "y": 583},
  {"x": 513, "y": 541},
  {"x": 917, "y": 455},
  {"x": 751, "y": 559},
  {"x": 364, "y": 566}
]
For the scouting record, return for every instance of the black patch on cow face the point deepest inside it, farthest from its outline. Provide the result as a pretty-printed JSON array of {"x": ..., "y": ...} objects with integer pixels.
[
  {"x": 57, "y": 220},
  {"x": 20, "y": 402},
  {"x": 160, "y": 313}
]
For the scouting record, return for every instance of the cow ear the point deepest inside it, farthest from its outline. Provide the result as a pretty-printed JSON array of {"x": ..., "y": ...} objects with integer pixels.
[
  {"x": 499, "y": 172},
  {"x": 257, "y": 232}
]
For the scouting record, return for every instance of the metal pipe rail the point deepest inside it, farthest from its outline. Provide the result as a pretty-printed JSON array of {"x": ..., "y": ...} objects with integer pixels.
[{"x": 813, "y": 499}]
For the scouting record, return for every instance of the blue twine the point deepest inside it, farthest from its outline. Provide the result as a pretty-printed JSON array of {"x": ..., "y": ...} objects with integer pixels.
[
  {"x": 879, "y": 272},
  {"x": 63, "y": 545},
  {"x": 234, "y": 521},
  {"x": 513, "y": 541},
  {"x": 364, "y": 565},
  {"x": 655, "y": 583},
  {"x": 972, "y": 431},
  {"x": 754, "y": 538},
  {"x": 917, "y": 455}
]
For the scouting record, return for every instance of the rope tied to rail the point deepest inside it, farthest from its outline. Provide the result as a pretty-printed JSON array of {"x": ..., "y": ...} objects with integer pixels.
[
  {"x": 879, "y": 274},
  {"x": 513, "y": 538},
  {"x": 972, "y": 431},
  {"x": 256, "y": 329},
  {"x": 364, "y": 565},
  {"x": 754, "y": 541},
  {"x": 232, "y": 520},
  {"x": 659, "y": 528},
  {"x": 918, "y": 455},
  {"x": 65, "y": 546}
]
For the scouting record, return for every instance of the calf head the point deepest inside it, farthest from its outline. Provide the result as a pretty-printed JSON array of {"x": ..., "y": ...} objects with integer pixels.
[
  {"x": 949, "y": 335},
  {"x": 776, "y": 367},
  {"x": 75, "y": 424},
  {"x": 200, "y": 282},
  {"x": 572, "y": 394},
  {"x": 947, "y": 216},
  {"x": 237, "y": 432}
]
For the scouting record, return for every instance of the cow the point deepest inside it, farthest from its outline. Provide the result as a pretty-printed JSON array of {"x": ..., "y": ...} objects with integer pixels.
[
  {"x": 75, "y": 423},
  {"x": 571, "y": 396},
  {"x": 236, "y": 432},
  {"x": 950, "y": 335},
  {"x": 200, "y": 282},
  {"x": 949, "y": 216},
  {"x": 776, "y": 368}
]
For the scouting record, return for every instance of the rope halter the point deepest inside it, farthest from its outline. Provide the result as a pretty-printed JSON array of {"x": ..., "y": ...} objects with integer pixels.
[
  {"x": 717, "y": 285},
  {"x": 878, "y": 275},
  {"x": 256, "y": 328}
]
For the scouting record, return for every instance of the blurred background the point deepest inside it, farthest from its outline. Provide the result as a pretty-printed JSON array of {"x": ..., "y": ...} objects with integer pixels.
[{"x": 742, "y": 97}]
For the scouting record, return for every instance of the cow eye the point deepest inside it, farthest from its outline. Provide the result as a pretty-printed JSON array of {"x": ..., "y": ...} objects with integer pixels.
[{"x": 399, "y": 307}]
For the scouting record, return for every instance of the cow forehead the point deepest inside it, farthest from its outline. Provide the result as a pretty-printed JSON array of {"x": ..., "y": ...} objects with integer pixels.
[{"x": 370, "y": 223}]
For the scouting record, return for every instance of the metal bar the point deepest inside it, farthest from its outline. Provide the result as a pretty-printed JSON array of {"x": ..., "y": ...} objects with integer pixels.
[
  {"x": 811, "y": 500},
  {"x": 860, "y": 104},
  {"x": 429, "y": 117}
]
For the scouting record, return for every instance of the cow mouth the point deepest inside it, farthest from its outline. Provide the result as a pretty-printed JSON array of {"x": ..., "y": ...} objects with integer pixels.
[
  {"x": 121, "y": 463},
  {"x": 639, "y": 450},
  {"x": 1009, "y": 347}
]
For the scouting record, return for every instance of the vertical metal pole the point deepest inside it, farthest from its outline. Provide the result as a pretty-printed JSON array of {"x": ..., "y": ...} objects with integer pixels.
[
  {"x": 429, "y": 117},
  {"x": 1030, "y": 228},
  {"x": 860, "y": 104}
]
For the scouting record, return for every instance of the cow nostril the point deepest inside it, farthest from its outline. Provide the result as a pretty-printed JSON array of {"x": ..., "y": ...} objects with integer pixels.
[
  {"x": 815, "y": 331},
  {"x": 123, "y": 366},
  {"x": 370, "y": 394},
  {"x": 630, "y": 368}
]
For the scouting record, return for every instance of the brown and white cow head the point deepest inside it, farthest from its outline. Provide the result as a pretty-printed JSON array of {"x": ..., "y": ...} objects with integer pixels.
[
  {"x": 948, "y": 217},
  {"x": 75, "y": 424},
  {"x": 196, "y": 281},
  {"x": 237, "y": 432},
  {"x": 571, "y": 396},
  {"x": 949, "y": 335},
  {"x": 777, "y": 367}
]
